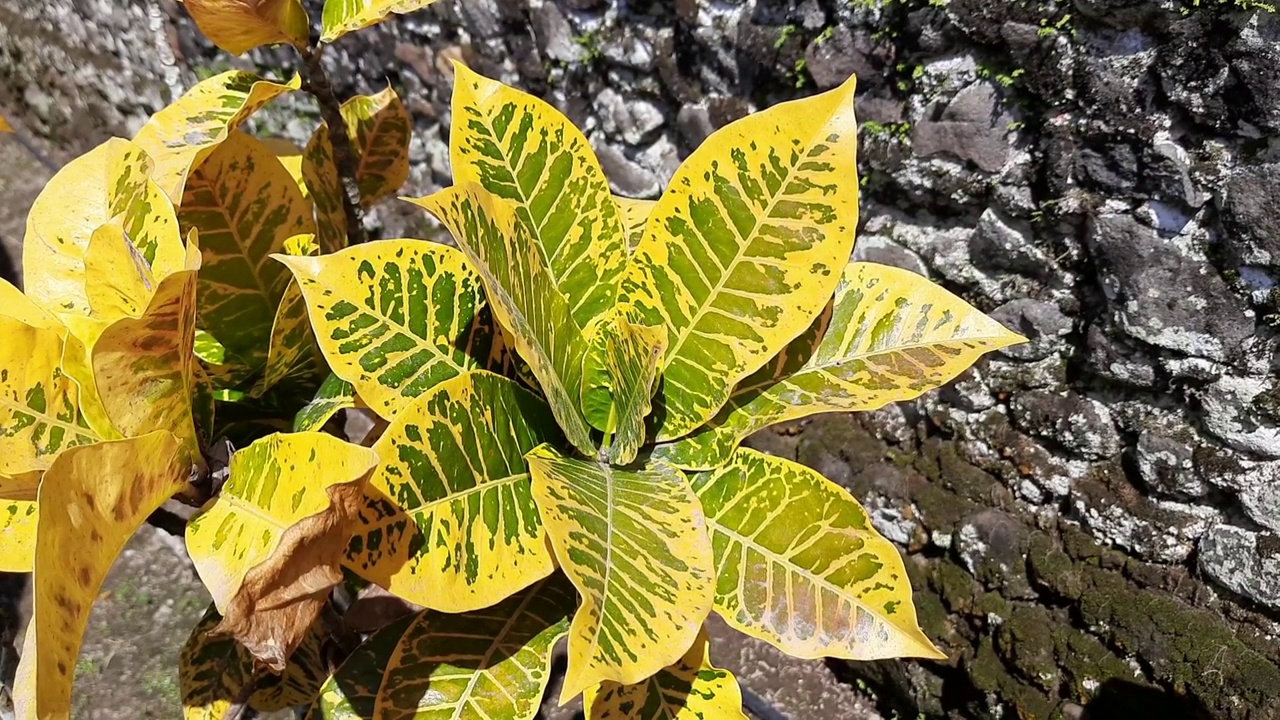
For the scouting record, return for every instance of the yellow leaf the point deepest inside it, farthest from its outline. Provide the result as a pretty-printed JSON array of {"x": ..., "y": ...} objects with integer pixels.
[
  {"x": 634, "y": 543},
  {"x": 523, "y": 150},
  {"x": 14, "y": 304},
  {"x": 745, "y": 247},
  {"x": 92, "y": 500},
  {"x": 290, "y": 156},
  {"x": 21, "y": 486},
  {"x": 143, "y": 366},
  {"x": 334, "y": 394},
  {"x": 379, "y": 128},
  {"x": 118, "y": 280},
  {"x": 239, "y": 26},
  {"x": 111, "y": 180},
  {"x": 324, "y": 185},
  {"x": 635, "y": 215},
  {"x": 690, "y": 689},
  {"x": 524, "y": 298},
  {"x": 18, "y": 519},
  {"x": 246, "y": 207},
  {"x": 890, "y": 335},
  {"x": 343, "y": 16},
  {"x": 292, "y": 353},
  {"x": 183, "y": 134},
  {"x": 450, "y": 523},
  {"x": 5, "y": 127},
  {"x": 395, "y": 318},
  {"x": 620, "y": 374},
  {"x": 801, "y": 567}
]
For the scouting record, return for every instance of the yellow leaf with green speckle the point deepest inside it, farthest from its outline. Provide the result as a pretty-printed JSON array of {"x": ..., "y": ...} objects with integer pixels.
[
  {"x": 343, "y": 16},
  {"x": 324, "y": 187},
  {"x": 334, "y": 394},
  {"x": 239, "y": 26},
  {"x": 18, "y": 519},
  {"x": 635, "y": 215},
  {"x": 379, "y": 128},
  {"x": 619, "y": 376}
]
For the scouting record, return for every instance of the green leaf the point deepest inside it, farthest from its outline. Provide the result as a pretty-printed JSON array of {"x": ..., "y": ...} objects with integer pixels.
[
  {"x": 801, "y": 567},
  {"x": 525, "y": 300},
  {"x": 483, "y": 665},
  {"x": 634, "y": 543},
  {"x": 379, "y": 128},
  {"x": 334, "y": 394},
  {"x": 397, "y": 317},
  {"x": 523, "y": 150},
  {"x": 213, "y": 670},
  {"x": 450, "y": 523},
  {"x": 324, "y": 185},
  {"x": 239, "y": 26},
  {"x": 744, "y": 248},
  {"x": 690, "y": 689},
  {"x": 246, "y": 206},
  {"x": 890, "y": 335},
  {"x": 182, "y": 135},
  {"x": 620, "y": 375}
]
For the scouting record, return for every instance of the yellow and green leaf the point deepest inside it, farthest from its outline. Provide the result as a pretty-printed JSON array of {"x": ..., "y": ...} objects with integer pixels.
[
  {"x": 801, "y": 567},
  {"x": 483, "y": 665},
  {"x": 620, "y": 373},
  {"x": 274, "y": 484},
  {"x": 524, "y": 297},
  {"x": 118, "y": 280},
  {"x": 18, "y": 521},
  {"x": 690, "y": 689},
  {"x": 324, "y": 187},
  {"x": 635, "y": 215},
  {"x": 111, "y": 180},
  {"x": 521, "y": 149},
  {"x": 245, "y": 206},
  {"x": 92, "y": 500},
  {"x": 635, "y": 544},
  {"x": 745, "y": 247},
  {"x": 889, "y": 336},
  {"x": 293, "y": 353},
  {"x": 239, "y": 26},
  {"x": 379, "y": 128},
  {"x": 334, "y": 394},
  {"x": 182, "y": 135},
  {"x": 343, "y": 16},
  {"x": 396, "y": 317},
  {"x": 450, "y": 522},
  {"x": 214, "y": 669},
  {"x": 291, "y": 157}
]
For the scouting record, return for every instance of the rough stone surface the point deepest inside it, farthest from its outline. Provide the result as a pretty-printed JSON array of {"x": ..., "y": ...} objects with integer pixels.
[{"x": 1089, "y": 520}]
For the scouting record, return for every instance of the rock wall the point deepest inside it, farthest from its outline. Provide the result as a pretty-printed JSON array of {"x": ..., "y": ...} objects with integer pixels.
[{"x": 1092, "y": 520}]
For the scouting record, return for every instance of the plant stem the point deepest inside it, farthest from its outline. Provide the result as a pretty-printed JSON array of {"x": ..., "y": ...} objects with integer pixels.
[{"x": 316, "y": 82}]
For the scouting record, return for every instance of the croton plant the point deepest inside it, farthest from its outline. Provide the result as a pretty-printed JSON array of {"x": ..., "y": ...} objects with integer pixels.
[{"x": 560, "y": 400}]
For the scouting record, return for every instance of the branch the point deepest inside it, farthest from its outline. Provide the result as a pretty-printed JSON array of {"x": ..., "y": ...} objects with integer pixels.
[{"x": 316, "y": 82}]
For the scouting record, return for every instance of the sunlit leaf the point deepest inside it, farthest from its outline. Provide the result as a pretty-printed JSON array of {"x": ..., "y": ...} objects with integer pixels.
[
  {"x": 246, "y": 206},
  {"x": 118, "y": 279},
  {"x": 690, "y": 689},
  {"x": 523, "y": 150},
  {"x": 213, "y": 670},
  {"x": 92, "y": 500},
  {"x": 18, "y": 520},
  {"x": 343, "y": 16},
  {"x": 890, "y": 335},
  {"x": 239, "y": 26},
  {"x": 5, "y": 127},
  {"x": 183, "y": 134},
  {"x": 396, "y": 317},
  {"x": 324, "y": 185},
  {"x": 451, "y": 523},
  {"x": 483, "y": 665},
  {"x": 635, "y": 215},
  {"x": 334, "y": 394},
  {"x": 291, "y": 157},
  {"x": 744, "y": 248},
  {"x": 379, "y": 128},
  {"x": 619, "y": 376},
  {"x": 523, "y": 296},
  {"x": 801, "y": 567},
  {"x": 293, "y": 353},
  {"x": 634, "y": 543}
]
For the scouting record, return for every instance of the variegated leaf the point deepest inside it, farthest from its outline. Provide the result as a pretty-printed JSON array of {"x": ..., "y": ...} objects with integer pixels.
[
  {"x": 245, "y": 206},
  {"x": 293, "y": 353},
  {"x": 110, "y": 181},
  {"x": 214, "y": 669},
  {"x": 291, "y": 157},
  {"x": 324, "y": 185},
  {"x": 890, "y": 336},
  {"x": 92, "y": 500},
  {"x": 801, "y": 567},
  {"x": 521, "y": 149},
  {"x": 450, "y": 522},
  {"x": 619, "y": 376},
  {"x": 343, "y": 16},
  {"x": 690, "y": 689},
  {"x": 239, "y": 26},
  {"x": 635, "y": 215},
  {"x": 395, "y": 318},
  {"x": 118, "y": 279},
  {"x": 334, "y": 394},
  {"x": 744, "y": 248},
  {"x": 483, "y": 665},
  {"x": 635, "y": 544},
  {"x": 182, "y": 135},
  {"x": 143, "y": 367},
  {"x": 379, "y": 128},
  {"x": 274, "y": 484},
  {"x": 18, "y": 520},
  {"x": 534, "y": 314}
]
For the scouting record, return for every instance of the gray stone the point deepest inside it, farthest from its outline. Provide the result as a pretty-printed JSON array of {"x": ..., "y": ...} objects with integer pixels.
[
  {"x": 1243, "y": 561},
  {"x": 1163, "y": 454},
  {"x": 632, "y": 119},
  {"x": 1082, "y": 424},
  {"x": 694, "y": 124},
  {"x": 555, "y": 35},
  {"x": 1042, "y": 323},
  {"x": 833, "y": 60},
  {"x": 1229, "y": 414},
  {"x": 973, "y": 128},
  {"x": 1249, "y": 211},
  {"x": 626, "y": 177}
]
